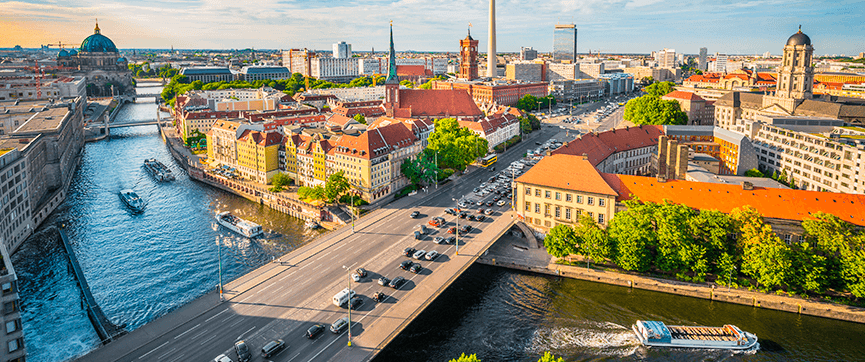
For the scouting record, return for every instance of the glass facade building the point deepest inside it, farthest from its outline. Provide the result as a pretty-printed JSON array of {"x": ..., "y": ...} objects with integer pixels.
[{"x": 565, "y": 43}]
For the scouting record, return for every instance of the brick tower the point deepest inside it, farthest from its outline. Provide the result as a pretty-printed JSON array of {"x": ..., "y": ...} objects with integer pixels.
[{"x": 469, "y": 58}]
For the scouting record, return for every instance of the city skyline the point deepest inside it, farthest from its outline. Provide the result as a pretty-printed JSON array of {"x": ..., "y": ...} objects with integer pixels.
[{"x": 630, "y": 26}]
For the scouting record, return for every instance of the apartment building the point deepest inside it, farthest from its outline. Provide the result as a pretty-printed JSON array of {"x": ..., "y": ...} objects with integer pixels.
[
  {"x": 617, "y": 83},
  {"x": 626, "y": 150},
  {"x": 11, "y": 342},
  {"x": 698, "y": 110},
  {"x": 27, "y": 88},
  {"x": 527, "y": 71},
  {"x": 497, "y": 92},
  {"x": 495, "y": 128}
]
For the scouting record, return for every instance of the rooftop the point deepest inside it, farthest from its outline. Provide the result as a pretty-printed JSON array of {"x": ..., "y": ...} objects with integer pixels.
[
  {"x": 568, "y": 173},
  {"x": 601, "y": 145},
  {"x": 44, "y": 121}
]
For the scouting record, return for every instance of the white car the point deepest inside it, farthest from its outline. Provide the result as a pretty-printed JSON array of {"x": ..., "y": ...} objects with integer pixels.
[
  {"x": 419, "y": 254},
  {"x": 355, "y": 277},
  {"x": 501, "y": 202},
  {"x": 222, "y": 358},
  {"x": 431, "y": 255}
]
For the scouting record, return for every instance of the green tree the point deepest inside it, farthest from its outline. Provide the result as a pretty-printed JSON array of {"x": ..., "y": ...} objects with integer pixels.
[
  {"x": 311, "y": 193},
  {"x": 534, "y": 121},
  {"x": 421, "y": 168},
  {"x": 652, "y": 110},
  {"x": 360, "y": 118},
  {"x": 280, "y": 180},
  {"x": 765, "y": 257},
  {"x": 754, "y": 173},
  {"x": 675, "y": 242},
  {"x": 634, "y": 235},
  {"x": 711, "y": 230},
  {"x": 527, "y": 103},
  {"x": 464, "y": 358},
  {"x": 335, "y": 186},
  {"x": 456, "y": 146},
  {"x": 549, "y": 357},
  {"x": 853, "y": 266},
  {"x": 660, "y": 89},
  {"x": 809, "y": 271},
  {"x": 561, "y": 241},
  {"x": 525, "y": 125},
  {"x": 593, "y": 241}
]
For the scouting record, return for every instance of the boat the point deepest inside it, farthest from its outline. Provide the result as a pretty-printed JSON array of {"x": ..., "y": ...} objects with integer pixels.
[
  {"x": 310, "y": 224},
  {"x": 238, "y": 225},
  {"x": 132, "y": 200},
  {"x": 158, "y": 170},
  {"x": 729, "y": 337}
]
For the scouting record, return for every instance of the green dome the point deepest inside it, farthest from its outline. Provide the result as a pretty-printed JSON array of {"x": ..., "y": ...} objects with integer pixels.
[{"x": 98, "y": 43}]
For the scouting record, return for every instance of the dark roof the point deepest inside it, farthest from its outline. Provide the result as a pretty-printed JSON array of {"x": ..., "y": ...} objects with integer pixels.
[
  {"x": 264, "y": 69},
  {"x": 799, "y": 39},
  {"x": 98, "y": 43},
  {"x": 205, "y": 71}
]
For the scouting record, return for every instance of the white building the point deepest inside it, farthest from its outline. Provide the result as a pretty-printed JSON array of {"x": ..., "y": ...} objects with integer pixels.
[
  {"x": 341, "y": 50},
  {"x": 334, "y": 69},
  {"x": 720, "y": 63},
  {"x": 355, "y": 94},
  {"x": 495, "y": 128}
]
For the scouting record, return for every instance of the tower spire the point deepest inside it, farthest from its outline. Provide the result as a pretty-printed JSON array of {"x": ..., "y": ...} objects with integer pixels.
[
  {"x": 96, "y": 30},
  {"x": 391, "y": 68}
]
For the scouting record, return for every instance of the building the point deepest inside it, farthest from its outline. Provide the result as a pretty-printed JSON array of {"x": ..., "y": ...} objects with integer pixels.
[
  {"x": 558, "y": 71},
  {"x": 354, "y": 94},
  {"x": 342, "y": 50},
  {"x": 617, "y": 83},
  {"x": 207, "y": 74},
  {"x": 468, "y": 58},
  {"x": 13, "y": 340},
  {"x": 698, "y": 110},
  {"x": 720, "y": 63},
  {"x": 734, "y": 151},
  {"x": 626, "y": 150},
  {"x": 526, "y": 71},
  {"x": 594, "y": 70},
  {"x": 309, "y": 64},
  {"x": 570, "y": 90},
  {"x": 702, "y": 64},
  {"x": 298, "y": 61},
  {"x": 98, "y": 61},
  {"x": 263, "y": 72},
  {"x": 30, "y": 89},
  {"x": 528, "y": 53},
  {"x": 657, "y": 74},
  {"x": 667, "y": 58},
  {"x": 495, "y": 92},
  {"x": 565, "y": 43},
  {"x": 495, "y": 128}
]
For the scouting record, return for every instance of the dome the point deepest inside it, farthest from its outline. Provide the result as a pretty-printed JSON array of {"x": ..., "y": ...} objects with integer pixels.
[
  {"x": 63, "y": 53},
  {"x": 121, "y": 60},
  {"x": 98, "y": 43},
  {"x": 799, "y": 39},
  {"x": 72, "y": 52}
]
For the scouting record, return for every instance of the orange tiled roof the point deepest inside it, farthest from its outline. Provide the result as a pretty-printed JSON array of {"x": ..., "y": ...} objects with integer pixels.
[
  {"x": 600, "y": 146},
  {"x": 568, "y": 173},
  {"x": 770, "y": 202},
  {"x": 412, "y": 70},
  {"x": 437, "y": 103},
  {"x": 688, "y": 96}
]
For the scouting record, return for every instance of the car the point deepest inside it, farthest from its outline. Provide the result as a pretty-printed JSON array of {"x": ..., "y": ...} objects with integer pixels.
[
  {"x": 489, "y": 203},
  {"x": 415, "y": 214},
  {"x": 419, "y": 254},
  {"x": 451, "y": 239},
  {"x": 476, "y": 190},
  {"x": 355, "y": 277},
  {"x": 272, "y": 348},
  {"x": 355, "y": 303},
  {"x": 471, "y": 218},
  {"x": 314, "y": 331},
  {"x": 497, "y": 198},
  {"x": 396, "y": 282},
  {"x": 338, "y": 325},
  {"x": 538, "y": 143},
  {"x": 489, "y": 212},
  {"x": 378, "y": 297},
  {"x": 242, "y": 350},
  {"x": 481, "y": 211},
  {"x": 463, "y": 214},
  {"x": 465, "y": 229},
  {"x": 222, "y": 358},
  {"x": 361, "y": 272},
  {"x": 437, "y": 221},
  {"x": 418, "y": 235},
  {"x": 415, "y": 268},
  {"x": 409, "y": 251},
  {"x": 405, "y": 264},
  {"x": 501, "y": 202},
  {"x": 480, "y": 217},
  {"x": 451, "y": 211},
  {"x": 431, "y": 255},
  {"x": 480, "y": 203},
  {"x": 452, "y": 229},
  {"x": 383, "y": 281},
  {"x": 439, "y": 240}
]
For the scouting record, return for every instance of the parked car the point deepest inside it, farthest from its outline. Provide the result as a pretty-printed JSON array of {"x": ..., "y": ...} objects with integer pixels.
[
  {"x": 355, "y": 277},
  {"x": 418, "y": 235},
  {"x": 272, "y": 348},
  {"x": 314, "y": 331},
  {"x": 397, "y": 282},
  {"x": 222, "y": 358},
  {"x": 450, "y": 211},
  {"x": 463, "y": 214},
  {"x": 378, "y": 297},
  {"x": 415, "y": 214},
  {"x": 439, "y": 240},
  {"x": 489, "y": 203},
  {"x": 383, "y": 281},
  {"x": 480, "y": 217},
  {"x": 242, "y": 350},
  {"x": 405, "y": 264},
  {"x": 471, "y": 218},
  {"x": 451, "y": 239},
  {"x": 431, "y": 255},
  {"x": 419, "y": 254},
  {"x": 481, "y": 210},
  {"x": 338, "y": 325},
  {"x": 465, "y": 229},
  {"x": 415, "y": 268},
  {"x": 408, "y": 251},
  {"x": 361, "y": 272},
  {"x": 452, "y": 229},
  {"x": 489, "y": 212},
  {"x": 437, "y": 221},
  {"x": 501, "y": 202}
]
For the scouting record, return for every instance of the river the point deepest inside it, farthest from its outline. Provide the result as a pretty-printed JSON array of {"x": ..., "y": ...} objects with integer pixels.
[{"x": 139, "y": 267}]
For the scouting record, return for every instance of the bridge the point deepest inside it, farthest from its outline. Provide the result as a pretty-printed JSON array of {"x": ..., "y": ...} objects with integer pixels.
[
  {"x": 281, "y": 300},
  {"x": 145, "y": 122}
]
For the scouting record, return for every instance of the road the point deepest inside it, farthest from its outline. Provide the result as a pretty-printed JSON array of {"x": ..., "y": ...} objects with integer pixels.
[{"x": 283, "y": 299}]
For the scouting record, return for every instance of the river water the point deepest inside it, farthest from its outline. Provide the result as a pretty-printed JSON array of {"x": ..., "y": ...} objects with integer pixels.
[{"x": 139, "y": 267}]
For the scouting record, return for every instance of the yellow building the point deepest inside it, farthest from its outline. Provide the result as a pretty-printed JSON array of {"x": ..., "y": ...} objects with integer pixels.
[
  {"x": 221, "y": 142},
  {"x": 258, "y": 155},
  {"x": 561, "y": 188}
]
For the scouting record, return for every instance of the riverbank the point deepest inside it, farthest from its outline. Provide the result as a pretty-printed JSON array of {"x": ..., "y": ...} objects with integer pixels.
[{"x": 510, "y": 253}]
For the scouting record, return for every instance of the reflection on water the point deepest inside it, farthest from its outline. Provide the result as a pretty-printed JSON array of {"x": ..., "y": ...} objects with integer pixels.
[{"x": 139, "y": 266}]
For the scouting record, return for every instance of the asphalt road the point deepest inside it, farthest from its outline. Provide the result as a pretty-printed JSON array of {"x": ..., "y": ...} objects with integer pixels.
[{"x": 299, "y": 294}]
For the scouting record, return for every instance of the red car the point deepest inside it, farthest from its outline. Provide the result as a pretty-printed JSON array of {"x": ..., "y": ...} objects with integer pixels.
[{"x": 452, "y": 230}]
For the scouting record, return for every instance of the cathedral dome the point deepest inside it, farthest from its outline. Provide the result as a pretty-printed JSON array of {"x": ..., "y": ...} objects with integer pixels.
[
  {"x": 63, "y": 53},
  {"x": 799, "y": 39},
  {"x": 72, "y": 52},
  {"x": 121, "y": 60},
  {"x": 98, "y": 43}
]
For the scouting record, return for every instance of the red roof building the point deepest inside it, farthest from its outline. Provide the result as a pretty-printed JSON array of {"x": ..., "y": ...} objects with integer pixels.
[{"x": 622, "y": 150}]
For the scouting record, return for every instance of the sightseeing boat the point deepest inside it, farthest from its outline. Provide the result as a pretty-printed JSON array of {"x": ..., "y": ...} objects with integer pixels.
[
  {"x": 132, "y": 200},
  {"x": 238, "y": 225},
  {"x": 310, "y": 224},
  {"x": 159, "y": 171},
  {"x": 730, "y": 337}
]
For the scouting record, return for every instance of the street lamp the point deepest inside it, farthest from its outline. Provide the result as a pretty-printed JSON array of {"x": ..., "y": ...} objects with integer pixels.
[
  {"x": 219, "y": 261},
  {"x": 458, "y": 228},
  {"x": 350, "y": 297}
]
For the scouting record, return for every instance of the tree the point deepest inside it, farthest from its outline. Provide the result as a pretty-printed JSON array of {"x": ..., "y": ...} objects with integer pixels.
[
  {"x": 765, "y": 257},
  {"x": 421, "y": 168},
  {"x": 280, "y": 180},
  {"x": 660, "y": 89},
  {"x": 593, "y": 241},
  {"x": 527, "y": 103},
  {"x": 675, "y": 242},
  {"x": 464, "y": 358},
  {"x": 534, "y": 121},
  {"x": 360, "y": 118},
  {"x": 549, "y": 357},
  {"x": 561, "y": 241},
  {"x": 525, "y": 125},
  {"x": 311, "y": 193},
  {"x": 456, "y": 146},
  {"x": 754, "y": 173},
  {"x": 652, "y": 110},
  {"x": 634, "y": 235},
  {"x": 335, "y": 186}
]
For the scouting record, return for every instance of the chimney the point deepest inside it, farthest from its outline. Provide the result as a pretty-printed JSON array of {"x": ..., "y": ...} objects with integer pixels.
[
  {"x": 585, "y": 156},
  {"x": 682, "y": 162},
  {"x": 746, "y": 185},
  {"x": 662, "y": 178}
]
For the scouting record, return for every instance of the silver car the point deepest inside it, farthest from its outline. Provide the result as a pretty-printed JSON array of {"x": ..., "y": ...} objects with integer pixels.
[{"x": 419, "y": 254}]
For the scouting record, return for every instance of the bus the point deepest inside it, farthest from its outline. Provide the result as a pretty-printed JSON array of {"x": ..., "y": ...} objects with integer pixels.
[{"x": 489, "y": 160}]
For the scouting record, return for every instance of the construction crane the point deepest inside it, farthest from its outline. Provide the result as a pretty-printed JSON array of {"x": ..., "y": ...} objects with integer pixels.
[{"x": 59, "y": 44}]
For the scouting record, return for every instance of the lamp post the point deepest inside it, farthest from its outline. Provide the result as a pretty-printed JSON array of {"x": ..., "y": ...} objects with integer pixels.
[
  {"x": 458, "y": 228},
  {"x": 350, "y": 297},
  {"x": 219, "y": 262}
]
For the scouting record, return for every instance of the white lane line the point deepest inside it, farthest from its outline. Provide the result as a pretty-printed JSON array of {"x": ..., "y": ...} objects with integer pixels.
[
  {"x": 187, "y": 331},
  {"x": 317, "y": 266},
  {"x": 207, "y": 340},
  {"x": 214, "y": 316},
  {"x": 236, "y": 323},
  {"x": 244, "y": 333},
  {"x": 265, "y": 288},
  {"x": 153, "y": 350},
  {"x": 295, "y": 356},
  {"x": 162, "y": 356}
]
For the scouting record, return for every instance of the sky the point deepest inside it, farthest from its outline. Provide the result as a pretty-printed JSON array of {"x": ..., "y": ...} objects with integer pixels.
[{"x": 608, "y": 26}]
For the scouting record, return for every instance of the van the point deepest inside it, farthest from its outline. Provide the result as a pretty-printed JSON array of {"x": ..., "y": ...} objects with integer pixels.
[{"x": 342, "y": 297}]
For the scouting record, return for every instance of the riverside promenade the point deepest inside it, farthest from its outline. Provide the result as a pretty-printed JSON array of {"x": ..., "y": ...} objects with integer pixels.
[{"x": 509, "y": 253}]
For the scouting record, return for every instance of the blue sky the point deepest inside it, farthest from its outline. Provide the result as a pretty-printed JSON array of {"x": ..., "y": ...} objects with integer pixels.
[{"x": 633, "y": 26}]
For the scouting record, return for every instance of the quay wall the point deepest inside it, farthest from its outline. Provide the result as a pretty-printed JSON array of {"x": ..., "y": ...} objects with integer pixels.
[{"x": 721, "y": 294}]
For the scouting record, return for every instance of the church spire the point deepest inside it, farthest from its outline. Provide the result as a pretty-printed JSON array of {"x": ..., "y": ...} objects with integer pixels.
[
  {"x": 391, "y": 68},
  {"x": 96, "y": 30}
]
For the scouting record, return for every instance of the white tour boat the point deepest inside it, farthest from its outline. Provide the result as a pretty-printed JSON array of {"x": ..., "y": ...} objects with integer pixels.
[
  {"x": 730, "y": 337},
  {"x": 238, "y": 225}
]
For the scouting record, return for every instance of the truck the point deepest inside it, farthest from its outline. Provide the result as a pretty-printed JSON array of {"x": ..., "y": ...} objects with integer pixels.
[{"x": 343, "y": 297}]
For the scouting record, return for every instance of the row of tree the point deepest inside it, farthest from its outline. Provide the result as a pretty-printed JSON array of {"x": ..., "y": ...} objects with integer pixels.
[
  {"x": 335, "y": 186},
  {"x": 651, "y": 109},
  {"x": 144, "y": 70},
  {"x": 692, "y": 244},
  {"x": 529, "y": 102}
]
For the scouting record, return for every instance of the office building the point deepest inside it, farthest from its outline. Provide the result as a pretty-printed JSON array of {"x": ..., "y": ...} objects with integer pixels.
[
  {"x": 720, "y": 63},
  {"x": 528, "y": 53},
  {"x": 702, "y": 62},
  {"x": 666, "y": 58},
  {"x": 207, "y": 74},
  {"x": 734, "y": 151},
  {"x": 12, "y": 341},
  {"x": 526, "y": 71},
  {"x": 593, "y": 70},
  {"x": 617, "y": 83},
  {"x": 570, "y": 90},
  {"x": 559, "y": 71},
  {"x": 565, "y": 43},
  {"x": 263, "y": 72},
  {"x": 342, "y": 50}
]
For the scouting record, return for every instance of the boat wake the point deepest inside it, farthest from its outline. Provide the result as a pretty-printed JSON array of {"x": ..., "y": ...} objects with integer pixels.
[{"x": 606, "y": 338}]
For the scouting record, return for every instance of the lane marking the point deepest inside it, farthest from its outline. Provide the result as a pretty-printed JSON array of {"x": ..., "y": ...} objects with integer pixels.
[
  {"x": 187, "y": 331},
  {"x": 214, "y": 316},
  {"x": 153, "y": 350},
  {"x": 242, "y": 334},
  {"x": 162, "y": 356},
  {"x": 207, "y": 340}
]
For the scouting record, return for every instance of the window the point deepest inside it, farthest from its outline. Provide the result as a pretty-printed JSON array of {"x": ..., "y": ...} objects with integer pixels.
[
  {"x": 568, "y": 214},
  {"x": 579, "y": 199},
  {"x": 537, "y": 208},
  {"x": 13, "y": 325},
  {"x": 600, "y": 218},
  {"x": 528, "y": 206},
  {"x": 15, "y": 345},
  {"x": 7, "y": 288},
  {"x": 601, "y": 202},
  {"x": 558, "y": 212},
  {"x": 590, "y": 200},
  {"x": 547, "y": 194},
  {"x": 558, "y": 195},
  {"x": 569, "y": 197},
  {"x": 10, "y": 307},
  {"x": 591, "y": 216},
  {"x": 538, "y": 192},
  {"x": 528, "y": 190},
  {"x": 788, "y": 238}
]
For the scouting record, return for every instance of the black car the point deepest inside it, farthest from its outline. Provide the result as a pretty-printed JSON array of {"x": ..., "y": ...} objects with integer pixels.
[
  {"x": 416, "y": 268},
  {"x": 405, "y": 265},
  {"x": 418, "y": 235},
  {"x": 463, "y": 214},
  {"x": 361, "y": 272},
  {"x": 396, "y": 282},
  {"x": 383, "y": 281},
  {"x": 272, "y": 348},
  {"x": 355, "y": 303},
  {"x": 408, "y": 251},
  {"x": 480, "y": 217},
  {"x": 314, "y": 331},
  {"x": 471, "y": 218},
  {"x": 465, "y": 228},
  {"x": 242, "y": 350},
  {"x": 415, "y": 214},
  {"x": 450, "y": 240},
  {"x": 489, "y": 203},
  {"x": 450, "y": 211},
  {"x": 378, "y": 297}
]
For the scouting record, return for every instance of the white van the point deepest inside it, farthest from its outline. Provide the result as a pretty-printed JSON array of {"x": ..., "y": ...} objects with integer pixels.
[{"x": 343, "y": 297}]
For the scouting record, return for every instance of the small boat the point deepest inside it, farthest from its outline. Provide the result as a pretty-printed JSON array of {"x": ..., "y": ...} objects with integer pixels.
[
  {"x": 159, "y": 171},
  {"x": 311, "y": 224},
  {"x": 729, "y": 337},
  {"x": 132, "y": 200},
  {"x": 238, "y": 225}
]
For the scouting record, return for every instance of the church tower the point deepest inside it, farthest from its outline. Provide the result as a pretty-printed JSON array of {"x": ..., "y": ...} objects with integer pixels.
[
  {"x": 391, "y": 84},
  {"x": 469, "y": 58},
  {"x": 796, "y": 76}
]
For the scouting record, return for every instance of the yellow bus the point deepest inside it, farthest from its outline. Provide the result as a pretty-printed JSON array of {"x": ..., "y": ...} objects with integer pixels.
[{"x": 489, "y": 160}]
